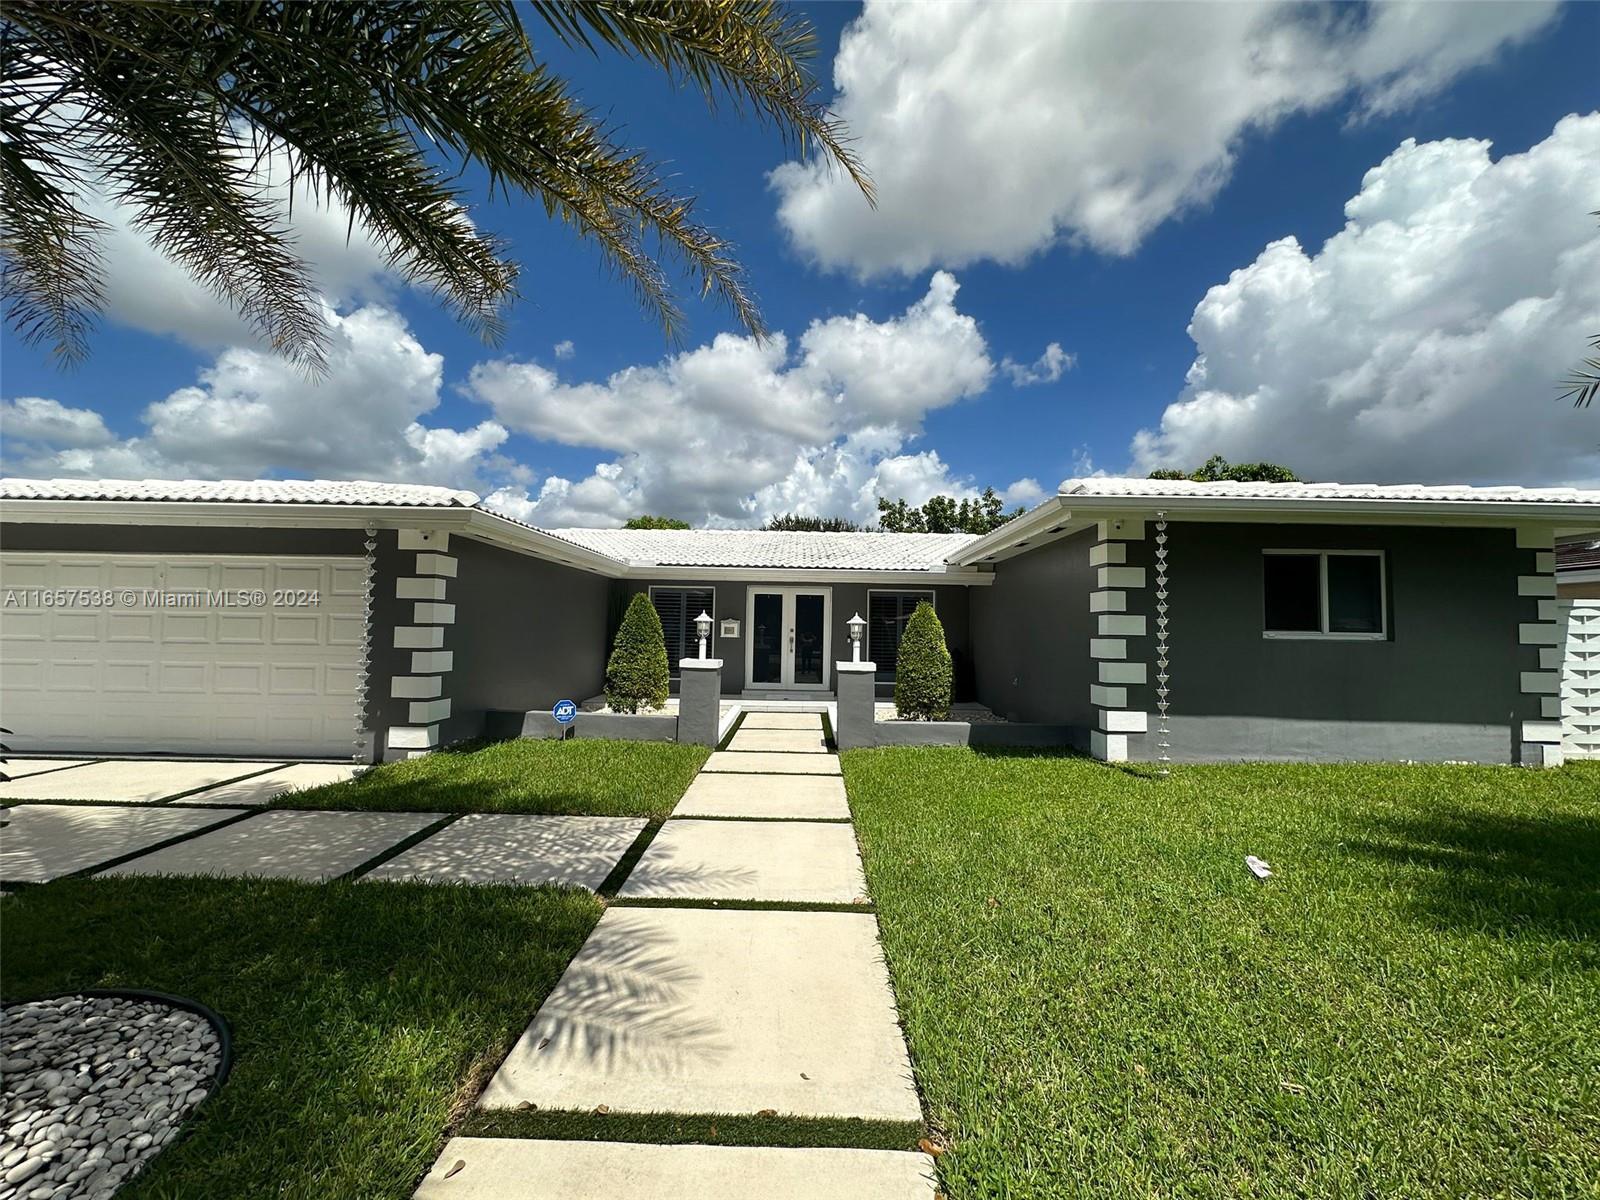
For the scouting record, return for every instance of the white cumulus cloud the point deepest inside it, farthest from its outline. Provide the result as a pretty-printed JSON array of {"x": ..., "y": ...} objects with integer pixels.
[
  {"x": 734, "y": 431},
  {"x": 1047, "y": 368},
  {"x": 1424, "y": 341},
  {"x": 994, "y": 129},
  {"x": 251, "y": 413}
]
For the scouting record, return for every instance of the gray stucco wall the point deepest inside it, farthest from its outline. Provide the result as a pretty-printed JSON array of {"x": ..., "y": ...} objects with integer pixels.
[
  {"x": 527, "y": 632},
  {"x": 1444, "y": 684},
  {"x": 1030, "y": 636},
  {"x": 732, "y": 597}
]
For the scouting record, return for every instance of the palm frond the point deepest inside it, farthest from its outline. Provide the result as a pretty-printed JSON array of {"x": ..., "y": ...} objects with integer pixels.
[
  {"x": 177, "y": 108},
  {"x": 1583, "y": 385}
]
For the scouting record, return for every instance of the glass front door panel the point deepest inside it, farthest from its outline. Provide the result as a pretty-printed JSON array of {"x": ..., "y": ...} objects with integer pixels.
[
  {"x": 808, "y": 629},
  {"x": 767, "y": 639}
]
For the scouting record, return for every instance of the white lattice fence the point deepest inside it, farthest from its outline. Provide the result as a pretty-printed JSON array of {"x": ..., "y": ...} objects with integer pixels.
[{"x": 1580, "y": 678}]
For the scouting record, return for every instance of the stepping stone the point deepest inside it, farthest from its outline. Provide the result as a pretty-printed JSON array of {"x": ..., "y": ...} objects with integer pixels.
[
  {"x": 744, "y": 762},
  {"x": 527, "y": 850},
  {"x": 17, "y": 768},
  {"x": 129, "y": 781},
  {"x": 284, "y": 844},
  {"x": 45, "y": 841},
  {"x": 782, "y": 740},
  {"x": 782, "y": 720},
  {"x": 701, "y": 1011},
  {"x": 259, "y": 789},
  {"x": 798, "y": 862},
  {"x": 520, "y": 1169},
  {"x": 778, "y": 797}
]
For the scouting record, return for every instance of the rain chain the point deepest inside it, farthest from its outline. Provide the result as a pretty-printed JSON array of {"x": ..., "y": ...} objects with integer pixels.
[
  {"x": 1161, "y": 645},
  {"x": 363, "y": 666}
]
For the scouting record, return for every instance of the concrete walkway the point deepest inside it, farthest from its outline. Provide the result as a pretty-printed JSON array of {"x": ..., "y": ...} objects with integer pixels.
[{"x": 696, "y": 1009}]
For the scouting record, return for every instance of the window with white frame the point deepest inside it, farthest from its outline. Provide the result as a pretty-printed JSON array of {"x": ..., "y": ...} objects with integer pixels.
[
  {"x": 1324, "y": 593},
  {"x": 887, "y": 614},
  {"x": 677, "y": 608}
]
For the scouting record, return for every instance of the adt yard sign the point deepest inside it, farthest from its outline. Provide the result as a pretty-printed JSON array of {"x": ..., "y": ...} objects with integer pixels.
[{"x": 565, "y": 712}]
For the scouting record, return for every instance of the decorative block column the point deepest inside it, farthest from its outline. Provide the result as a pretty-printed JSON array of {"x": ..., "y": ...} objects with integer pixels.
[
  {"x": 425, "y": 688},
  {"x": 1539, "y": 735},
  {"x": 856, "y": 723},
  {"x": 699, "y": 700},
  {"x": 1119, "y": 665}
]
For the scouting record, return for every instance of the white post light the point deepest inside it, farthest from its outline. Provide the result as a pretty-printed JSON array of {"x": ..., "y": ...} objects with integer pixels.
[
  {"x": 702, "y": 625},
  {"x": 858, "y": 629}
]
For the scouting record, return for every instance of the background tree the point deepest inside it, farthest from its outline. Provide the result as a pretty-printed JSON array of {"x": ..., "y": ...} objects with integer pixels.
[
  {"x": 637, "y": 675},
  {"x": 1218, "y": 469},
  {"x": 171, "y": 109},
  {"x": 795, "y": 523},
  {"x": 942, "y": 514},
  {"x": 649, "y": 522},
  {"x": 922, "y": 668}
]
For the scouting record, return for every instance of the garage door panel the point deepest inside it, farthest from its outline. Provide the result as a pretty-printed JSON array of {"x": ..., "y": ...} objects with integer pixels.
[
  {"x": 130, "y": 627},
  {"x": 67, "y": 573},
  {"x": 180, "y": 679},
  {"x": 70, "y": 675},
  {"x": 21, "y": 675},
  {"x": 191, "y": 628},
  {"x": 346, "y": 631},
  {"x": 295, "y": 679},
  {"x": 74, "y": 626},
  {"x": 27, "y": 572},
  {"x": 24, "y": 626},
  {"x": 142, "y": 575},
  {"x": 240, "y": 679},
  {"x": 137, "y": 677},
  {"x": 297, "y": 628},
  {"x": 237, "y": 577},
  {"x": 185, "y": 679},
  {"x": 347, "y": 581},
  {"x": 190, "y": 577},
  {"x": 242, "y": 629}
]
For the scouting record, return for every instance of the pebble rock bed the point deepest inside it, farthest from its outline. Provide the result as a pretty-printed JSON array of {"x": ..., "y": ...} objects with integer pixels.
[{"x": 92, "y": 1087}]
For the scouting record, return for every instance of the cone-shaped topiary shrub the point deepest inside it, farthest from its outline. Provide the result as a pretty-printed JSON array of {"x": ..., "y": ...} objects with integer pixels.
[
  {"x": 636, "y": 673},
  {"x": 922, "y": 675}
]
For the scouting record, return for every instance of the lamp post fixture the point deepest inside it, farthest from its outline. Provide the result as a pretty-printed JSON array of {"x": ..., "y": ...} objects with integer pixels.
[
  {"x": 858, "y": 629},
  {"x": 702, "y": 625}
]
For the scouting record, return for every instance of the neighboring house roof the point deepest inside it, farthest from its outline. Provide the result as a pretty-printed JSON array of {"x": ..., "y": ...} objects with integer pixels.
[
  {"x": 760, "y": 549},
  {"x": 1578, "y": 556},
  {"x": 239, "y": 491}
]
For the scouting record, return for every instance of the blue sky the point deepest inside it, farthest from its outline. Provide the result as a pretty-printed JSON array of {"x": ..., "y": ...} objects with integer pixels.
[{"x": 1084, "y": 177}]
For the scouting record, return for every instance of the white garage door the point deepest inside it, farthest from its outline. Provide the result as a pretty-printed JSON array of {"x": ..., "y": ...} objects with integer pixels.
[{"x": 177, "y": 654}]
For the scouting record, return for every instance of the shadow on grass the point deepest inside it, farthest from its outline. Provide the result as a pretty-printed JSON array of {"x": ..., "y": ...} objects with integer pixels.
[
  {"x": 365, "y": 1017},
  {"x": 1496, "y": 872},
  {"x": 525, "y": 775}
]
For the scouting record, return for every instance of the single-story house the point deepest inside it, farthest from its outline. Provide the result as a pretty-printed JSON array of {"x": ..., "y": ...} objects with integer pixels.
[{"x": 325, "y": 619}]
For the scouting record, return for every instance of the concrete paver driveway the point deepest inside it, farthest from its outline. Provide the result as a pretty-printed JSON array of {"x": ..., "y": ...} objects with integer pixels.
[
  {"x": 130, "y": 780},
  {"x": 42, "y": 842}
]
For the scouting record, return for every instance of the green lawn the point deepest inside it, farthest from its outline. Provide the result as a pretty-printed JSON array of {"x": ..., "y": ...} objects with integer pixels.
[
  {"x": 599, "y": 778},
  {"x": 1102, "y": 1001},
  {"x": 364, "y": 1016}
]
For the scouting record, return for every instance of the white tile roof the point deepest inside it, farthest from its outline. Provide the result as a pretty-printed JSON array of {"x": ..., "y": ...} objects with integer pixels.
[
  {"x": 1396, "y": 492},
  {"x": 761, "y": 549},
  {"x": 239, "y": 491}
]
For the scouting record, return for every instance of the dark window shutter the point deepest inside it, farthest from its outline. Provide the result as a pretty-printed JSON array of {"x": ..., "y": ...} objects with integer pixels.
[
  {"x": 887, "y": 614},
  {"x": 677, "y": 608}
]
